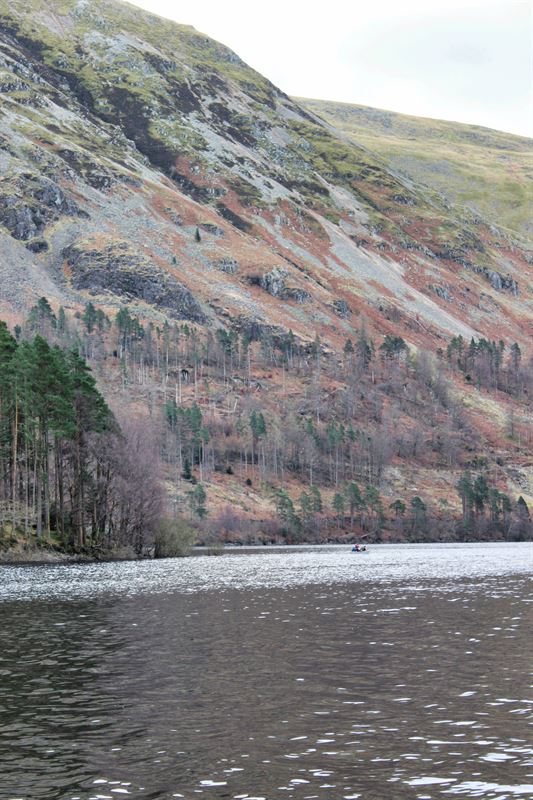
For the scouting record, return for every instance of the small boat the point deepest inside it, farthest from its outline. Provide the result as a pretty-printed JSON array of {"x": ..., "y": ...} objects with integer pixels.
[{"x": 357, "y": 549}]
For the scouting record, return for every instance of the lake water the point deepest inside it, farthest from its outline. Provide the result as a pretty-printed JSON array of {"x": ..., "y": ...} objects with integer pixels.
[{"x": 304, "y": 673}]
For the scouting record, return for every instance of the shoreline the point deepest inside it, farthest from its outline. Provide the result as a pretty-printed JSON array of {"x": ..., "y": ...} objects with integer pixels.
[
  {"x": 13, "y": 558},
  {"x": 18, "y": 558},
  {"x": 42, "y": 558}
]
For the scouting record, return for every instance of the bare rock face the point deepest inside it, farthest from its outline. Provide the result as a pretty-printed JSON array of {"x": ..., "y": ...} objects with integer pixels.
[
  {"x": 117, "y": 270},
  {"x": 32, "y": 204},
  {"x": 18, "y": 218},
  {"x": 502, "y": 283},
  {"x": 273, "y": 282},
  {"x": 498, "y": 281},
  {"x": 53, "y": 197}
]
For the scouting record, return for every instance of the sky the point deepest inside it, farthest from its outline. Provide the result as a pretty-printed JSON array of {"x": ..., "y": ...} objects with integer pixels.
[{"x": 469, "y": 60}]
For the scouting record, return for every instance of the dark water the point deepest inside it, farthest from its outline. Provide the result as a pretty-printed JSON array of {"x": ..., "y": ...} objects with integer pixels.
[{"x": 403, "y": 673}]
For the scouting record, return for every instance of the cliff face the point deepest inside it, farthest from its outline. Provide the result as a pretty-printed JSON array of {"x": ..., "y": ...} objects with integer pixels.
[{"x": 142, "y": 162}]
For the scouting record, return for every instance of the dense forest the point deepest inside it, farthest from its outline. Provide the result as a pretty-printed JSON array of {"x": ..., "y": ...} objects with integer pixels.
[
  {"x": 66, "y": 465},
  {"x": 311, "y": 429}
]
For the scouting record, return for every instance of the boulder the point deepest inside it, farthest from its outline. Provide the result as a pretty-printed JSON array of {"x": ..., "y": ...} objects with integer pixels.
[
  {"x": 342, "y": 309},
  {"x": 214, "y": 230},
  {"x": 273, "y": 282},
  {"x": 296, "y": 294},
  {"x": 228, "y": 265}
]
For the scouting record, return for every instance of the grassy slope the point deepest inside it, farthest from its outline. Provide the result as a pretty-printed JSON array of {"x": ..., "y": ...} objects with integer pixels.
[{"x": 489, "y": 171}]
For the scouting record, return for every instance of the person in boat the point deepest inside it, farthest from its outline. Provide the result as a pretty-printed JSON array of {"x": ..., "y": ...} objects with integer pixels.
[{"x": 356, "y": 548}]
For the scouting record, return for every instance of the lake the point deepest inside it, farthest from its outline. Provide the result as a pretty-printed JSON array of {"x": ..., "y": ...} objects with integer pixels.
[{"x": 299, "y": 673}]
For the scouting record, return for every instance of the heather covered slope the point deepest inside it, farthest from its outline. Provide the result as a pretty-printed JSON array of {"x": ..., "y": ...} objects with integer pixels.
[
  {"x": 488, "y": 171},
  {"x": 122, "y": 134}
]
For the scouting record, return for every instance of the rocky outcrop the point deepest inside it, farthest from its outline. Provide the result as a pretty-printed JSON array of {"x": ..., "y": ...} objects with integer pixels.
[
  {"x": 342, "y": 309},
  {"x": 19, "y": 219},
  {"x": 31, "y": 204},
  {"x": 51, "y": 196},
  {"x": 228, "y": 265},
  {"x": 442, "y": 291},
  {"x": 295, "y": 294},
  {"x": 88, "y": 169},
  {"x": 502, "y": 283},
  {"x": 214, "y": 230},
  {"x": 176, "y": 218},
  {"x": 456, "y": 254},
  {"x": 237, "y": 221},
  {"x": 117, "y": 270},
  {"x": 37, "y": 246},
  {"x": 498, "y": 281},
  {"x": 273, "y": 282}
]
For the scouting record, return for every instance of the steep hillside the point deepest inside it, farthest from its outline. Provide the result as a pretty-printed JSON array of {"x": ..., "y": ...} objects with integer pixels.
[
  {"x": 123, "y": 133},
  {"x": 299, "y": 307},
  {"x": 488, "y": 171}
]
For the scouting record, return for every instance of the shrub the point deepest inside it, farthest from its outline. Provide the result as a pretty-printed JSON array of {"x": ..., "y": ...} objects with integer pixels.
[{"x": 174, "y": 538}]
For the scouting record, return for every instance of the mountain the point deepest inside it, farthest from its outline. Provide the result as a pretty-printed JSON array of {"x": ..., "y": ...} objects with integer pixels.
[
  {"x": 145, "y": 165},
  {"x": 122, "y": 133}
]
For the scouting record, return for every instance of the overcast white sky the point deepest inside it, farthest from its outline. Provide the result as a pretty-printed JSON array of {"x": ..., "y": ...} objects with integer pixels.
[{"x": 464, "y": 60}]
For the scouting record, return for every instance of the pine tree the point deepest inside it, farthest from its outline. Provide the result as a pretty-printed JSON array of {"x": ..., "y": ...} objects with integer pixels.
[
  {"x": 91, "y": 415},
  {"x": 373, "y": 503},
  {"x": 399, "y": 508},
  {"x": 89, "y": 317},
  {"x": 481, "y": 494},
  {"x": 197, "y": 500},
  {"x": 41, "y": 318},
  {"x": 338, "y": 505},
  {"x": 363, "y": 350},
  {"x": 8, "y": 411},
  {"x": 418, "y": 514},
  {"x": 287, "y": 514},
  {"x": 393, "y": 347},
  {"x": 306, "y": 508},
  {"x": 316, "y": 499},
  {"x": 355, "y": 501},
  {"x": 465, "y": 490}
]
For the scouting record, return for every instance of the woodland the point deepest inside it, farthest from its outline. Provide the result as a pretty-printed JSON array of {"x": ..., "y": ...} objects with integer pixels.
[{"x": 117, "y": 436}]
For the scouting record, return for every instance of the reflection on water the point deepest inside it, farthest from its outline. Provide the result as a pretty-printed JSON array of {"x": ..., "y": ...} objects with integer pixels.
[
  {"x": 267, "y": 568},
  {"x": 222, "y": 678}
]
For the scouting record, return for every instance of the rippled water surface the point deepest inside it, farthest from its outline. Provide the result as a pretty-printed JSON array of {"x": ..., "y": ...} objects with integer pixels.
[{"x": 307, "y": 673}]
